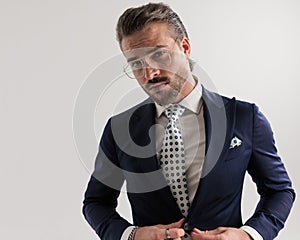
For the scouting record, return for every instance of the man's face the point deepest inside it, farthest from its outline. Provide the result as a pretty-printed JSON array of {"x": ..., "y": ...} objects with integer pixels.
[{"x": 159, "y": 62}]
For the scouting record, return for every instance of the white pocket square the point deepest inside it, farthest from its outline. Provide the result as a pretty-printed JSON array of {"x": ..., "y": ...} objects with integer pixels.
[{"x": 235, "y": 142}]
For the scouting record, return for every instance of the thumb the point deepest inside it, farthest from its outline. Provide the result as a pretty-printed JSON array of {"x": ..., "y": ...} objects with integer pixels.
[{"x": 177, "y": 224}]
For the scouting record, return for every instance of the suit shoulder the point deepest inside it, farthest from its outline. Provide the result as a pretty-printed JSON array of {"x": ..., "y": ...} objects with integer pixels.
[
  {"x": 139, "y": 107},
  {"x": 222, "y": 100},
  {"x": 245, "y": 104}
]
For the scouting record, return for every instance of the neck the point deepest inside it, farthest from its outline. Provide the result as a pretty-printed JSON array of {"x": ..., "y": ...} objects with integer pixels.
[{"x": 187, "y": 88}]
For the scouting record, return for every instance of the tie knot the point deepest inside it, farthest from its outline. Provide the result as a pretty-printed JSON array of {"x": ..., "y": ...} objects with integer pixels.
[{"x": 174, "y": 112}]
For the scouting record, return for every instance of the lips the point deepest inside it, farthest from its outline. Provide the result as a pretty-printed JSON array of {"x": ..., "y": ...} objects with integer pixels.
[
  {"x": 157, "y": 83},
  {"x": 157, "y": 86}
]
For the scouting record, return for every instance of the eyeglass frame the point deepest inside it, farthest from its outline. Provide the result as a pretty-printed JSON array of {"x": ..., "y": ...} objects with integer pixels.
[{"x": 146, "y": 63}]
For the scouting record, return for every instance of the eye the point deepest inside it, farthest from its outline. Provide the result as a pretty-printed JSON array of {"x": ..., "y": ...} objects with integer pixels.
[
  {"x": 136, "y": 65},
  {"x": 160, "y": 53},
  {"x": 160, "y": 56}
]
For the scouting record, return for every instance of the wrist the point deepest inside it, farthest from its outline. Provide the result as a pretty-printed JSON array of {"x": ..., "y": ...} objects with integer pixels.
[
  {"x": 132, "y": 233},
  {"x": 254, "y": 235}
]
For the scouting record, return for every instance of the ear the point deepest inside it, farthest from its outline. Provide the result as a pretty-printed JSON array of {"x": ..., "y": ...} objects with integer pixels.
[{"x": 186, "y": 46}]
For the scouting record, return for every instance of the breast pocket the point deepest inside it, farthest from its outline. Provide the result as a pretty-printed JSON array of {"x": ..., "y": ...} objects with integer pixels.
[{"x": 235, "y": 153}]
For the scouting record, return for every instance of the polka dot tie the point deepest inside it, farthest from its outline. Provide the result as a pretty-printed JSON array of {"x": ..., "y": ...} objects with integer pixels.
[{"x": 172, "y": 159}]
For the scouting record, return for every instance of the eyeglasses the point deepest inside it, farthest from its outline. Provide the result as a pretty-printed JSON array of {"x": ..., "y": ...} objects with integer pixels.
[{"x": 159, "y": 58}]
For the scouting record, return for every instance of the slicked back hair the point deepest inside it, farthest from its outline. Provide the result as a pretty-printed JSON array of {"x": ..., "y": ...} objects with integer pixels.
[{"x": 135, "y": 19}]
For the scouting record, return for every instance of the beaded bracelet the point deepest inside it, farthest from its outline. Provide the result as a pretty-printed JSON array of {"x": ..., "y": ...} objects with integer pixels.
[{"x": 132, "y": 234}]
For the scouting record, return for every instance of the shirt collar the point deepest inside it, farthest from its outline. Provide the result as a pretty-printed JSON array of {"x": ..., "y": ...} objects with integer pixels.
[{"x": 191, "y": 102}]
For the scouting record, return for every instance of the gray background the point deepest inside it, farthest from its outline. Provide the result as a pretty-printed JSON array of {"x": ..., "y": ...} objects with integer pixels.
[{"x": 250, "y": 49}]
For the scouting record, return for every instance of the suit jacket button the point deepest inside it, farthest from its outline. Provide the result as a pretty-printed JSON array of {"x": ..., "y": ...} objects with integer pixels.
[{"x": 186, "y": 226}]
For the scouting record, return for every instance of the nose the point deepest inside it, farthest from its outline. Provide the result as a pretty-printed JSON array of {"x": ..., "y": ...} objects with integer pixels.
[{"x": 150, "y": 72}]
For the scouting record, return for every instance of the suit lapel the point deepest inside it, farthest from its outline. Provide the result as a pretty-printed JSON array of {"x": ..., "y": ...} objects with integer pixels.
[
  {"x": 143, "y": 134},
  {"x": 219, "y": 117},
  {"x": 142, "y": 120}
]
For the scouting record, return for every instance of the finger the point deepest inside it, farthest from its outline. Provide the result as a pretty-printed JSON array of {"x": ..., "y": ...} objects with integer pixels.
[
  {"x": 216, "y": 231},
  {"x": 204, "y": 236},
  {"x": 196, "y": 230},
  {"x": 174, "y": 233}
]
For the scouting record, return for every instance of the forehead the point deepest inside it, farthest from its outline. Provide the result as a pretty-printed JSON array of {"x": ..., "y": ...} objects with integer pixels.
[{"x": 152, "y": 35}]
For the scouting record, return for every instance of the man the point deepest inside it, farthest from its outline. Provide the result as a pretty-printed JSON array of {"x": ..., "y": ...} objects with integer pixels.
[{"x": 184, "y": 151}]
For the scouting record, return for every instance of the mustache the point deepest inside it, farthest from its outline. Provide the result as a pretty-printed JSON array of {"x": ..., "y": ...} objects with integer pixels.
[{"x": 157, "y": 80}]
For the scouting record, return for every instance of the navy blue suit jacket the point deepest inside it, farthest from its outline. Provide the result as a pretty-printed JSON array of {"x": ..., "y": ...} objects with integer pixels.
[{"x": 218, "y": 198}]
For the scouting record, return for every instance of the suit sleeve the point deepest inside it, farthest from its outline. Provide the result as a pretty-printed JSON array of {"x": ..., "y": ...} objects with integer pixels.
[
  {"x": 100, "y": 201},
  {"x": 273, "y": 184}
]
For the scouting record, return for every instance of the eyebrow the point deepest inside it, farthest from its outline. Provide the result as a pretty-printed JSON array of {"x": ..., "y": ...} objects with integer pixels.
[{"x": 148, "y": 52}]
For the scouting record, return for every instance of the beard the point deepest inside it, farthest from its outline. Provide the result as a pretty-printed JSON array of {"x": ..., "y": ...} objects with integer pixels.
[{"x": 168, "y": 92}]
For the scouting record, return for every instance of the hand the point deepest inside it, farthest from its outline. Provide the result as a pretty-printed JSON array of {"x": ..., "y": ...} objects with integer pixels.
[
  {"x": 158, "y": 232},
  {"x": 221, "y": 233}
]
